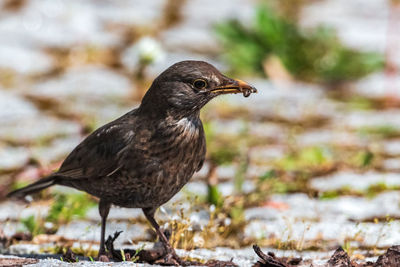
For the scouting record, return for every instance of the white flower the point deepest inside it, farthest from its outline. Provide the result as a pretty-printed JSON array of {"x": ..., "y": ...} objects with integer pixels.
[
  {"x": 145, "y": 51},
  {"x": 212, "y": 208}
]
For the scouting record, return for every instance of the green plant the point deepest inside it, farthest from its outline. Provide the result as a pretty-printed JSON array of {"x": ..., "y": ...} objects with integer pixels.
[
  {"x": 361, "y": 103},
  {"x": 382, "y": 131},
  {"x": 65, "y": 207},
  {"x": 122, "y": 254},
  {"x": 241, "y": 171},
  {"x": 380, "y": 187},
  {"x": 33, "y": 225},
  {"x": 366, "y": 158},
  {"x": 315, "y": 55},
  {"x": 135, "y": 256},
  {"x": 268, "y": 175},
  {"x": 214, "y": 197},
  {"x": 344, "y": 190},
  {"x": 306, "y": 158},
  {"x": 221, "y": 149}
]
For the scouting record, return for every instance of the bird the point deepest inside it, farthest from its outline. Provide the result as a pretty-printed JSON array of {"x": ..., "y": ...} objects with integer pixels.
[{"x": 143, "y": 158}]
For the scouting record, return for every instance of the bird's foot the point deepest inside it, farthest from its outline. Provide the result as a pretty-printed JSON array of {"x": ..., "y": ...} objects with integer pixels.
[
  {"x": 171, "y": 258},
  {"x": 103, "y": 258},
  {"x": 168, "y": 260}
]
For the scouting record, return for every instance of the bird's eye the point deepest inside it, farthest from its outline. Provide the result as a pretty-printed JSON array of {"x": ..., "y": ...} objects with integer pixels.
[{"x": 200, "y": 84}]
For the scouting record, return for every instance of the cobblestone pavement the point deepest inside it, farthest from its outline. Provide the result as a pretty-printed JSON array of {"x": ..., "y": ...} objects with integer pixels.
[{"x": 320, "y": 171}]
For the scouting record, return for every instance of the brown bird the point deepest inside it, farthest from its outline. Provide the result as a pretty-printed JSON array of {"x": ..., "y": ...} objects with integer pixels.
[{"x": 142, "y": 159}]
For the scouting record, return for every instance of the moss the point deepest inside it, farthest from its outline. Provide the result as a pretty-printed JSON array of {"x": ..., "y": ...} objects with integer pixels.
[
  {"x": 375, "y": 189},
  {"x": 382, "y": 131},
  {"x": 369, "y": 192},
  {"x": 361, "y": 103},
  {"x": 345, "y": 190}
]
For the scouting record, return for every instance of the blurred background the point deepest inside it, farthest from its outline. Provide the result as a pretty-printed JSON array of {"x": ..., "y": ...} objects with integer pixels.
[{"x": 310, "y": 162}]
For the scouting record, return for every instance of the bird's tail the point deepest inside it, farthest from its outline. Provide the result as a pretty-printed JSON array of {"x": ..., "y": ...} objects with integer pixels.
[{"x": 33, "y": 188}]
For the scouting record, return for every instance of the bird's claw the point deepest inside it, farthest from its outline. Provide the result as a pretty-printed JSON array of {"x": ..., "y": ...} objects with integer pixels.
[
  {"x": 169, "y": 260},
  {"x": 103, "y": 255},
  {"x": 103, "y": 258},
  {"x": 172, "y": 258}
]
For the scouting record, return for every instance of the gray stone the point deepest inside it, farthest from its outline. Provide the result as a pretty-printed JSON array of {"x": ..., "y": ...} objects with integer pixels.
[
  {"x": 298, "y": 217},
  {"x": 58, "y": 263},
  {"x": 368, "y": 119},
  {"x": 24, "y": 249},
  {"x": 12, "y": 158},
  {"x": 116, "y": 213},
  {"x": 229, "y": 127},
  {"x": 266, "y": 154},
  {"x": 377, "y": 86},
  {"x": 56, "y": 150},
  {"x": 286, "y": 230},
  {"x": 11, "y": 210},
  {"x": 24, "y": 60},
  {"x": 329, "y": 136},
  {"x": 35, "y": 129},
  {"x": 87, "y": 84},
  {"x": 61, "y": 24},
  {"x": 300, "y": 207},
  {"x": 87, "y": 231},
  {"x": 392, "y": 164},
  {"x": 171, "y": 57},
  {"x": 255, "y": 171},
  {"x": 199, "y": 20},
  {"x": 228, "y": 188},
  {"x": 360, "y": 24},
  {"x": 273, "y": 132},
  {"x": 180, "y": 38},
  {"x": 295, "y": 103},
  {"x": 129, "y": 12},
  {"x": 14, "y": 108},
  {"x": 198, "y": 188},
  {"x": 355, "y": 181},
  {"x": 392, "y": 147}
]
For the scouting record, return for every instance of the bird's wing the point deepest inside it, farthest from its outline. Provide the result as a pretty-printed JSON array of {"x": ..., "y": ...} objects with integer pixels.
[{"x": 99, "y": 154}]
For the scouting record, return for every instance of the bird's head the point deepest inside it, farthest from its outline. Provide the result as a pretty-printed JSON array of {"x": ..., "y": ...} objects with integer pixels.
[{"x": 187, "y": 86}]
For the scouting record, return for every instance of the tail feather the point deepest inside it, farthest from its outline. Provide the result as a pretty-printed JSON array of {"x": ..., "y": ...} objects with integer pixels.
[{"x": 33, "y": 188}]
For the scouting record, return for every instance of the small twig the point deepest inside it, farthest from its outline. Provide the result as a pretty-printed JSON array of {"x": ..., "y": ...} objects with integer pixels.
[{"x": 267, "y": 260}]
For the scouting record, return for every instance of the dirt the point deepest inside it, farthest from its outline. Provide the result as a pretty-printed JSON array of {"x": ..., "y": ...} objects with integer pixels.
[
  {"x": 340, "y": 258},
  {"x": 16, "y": 262},
  {"x": 390, "y": 258},
  {"x": 270, "y": 260},
  {"x": 151, "y": 256}
]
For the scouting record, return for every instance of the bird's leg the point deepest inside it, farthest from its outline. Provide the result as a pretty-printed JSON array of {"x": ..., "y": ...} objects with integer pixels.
[
  {"x": 149, "y": 213},
  {"x": 104, "y": 208}
]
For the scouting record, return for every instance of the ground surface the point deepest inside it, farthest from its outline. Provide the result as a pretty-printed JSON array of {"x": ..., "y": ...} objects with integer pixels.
[{"x": 321, "y": 167}]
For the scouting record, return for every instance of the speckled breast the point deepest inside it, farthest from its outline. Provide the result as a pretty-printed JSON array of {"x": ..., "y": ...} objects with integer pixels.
[{"x": 169, "y": 159}]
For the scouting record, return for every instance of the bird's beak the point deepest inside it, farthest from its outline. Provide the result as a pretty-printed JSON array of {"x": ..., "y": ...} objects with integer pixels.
[{"x": 235, "y": 87}]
